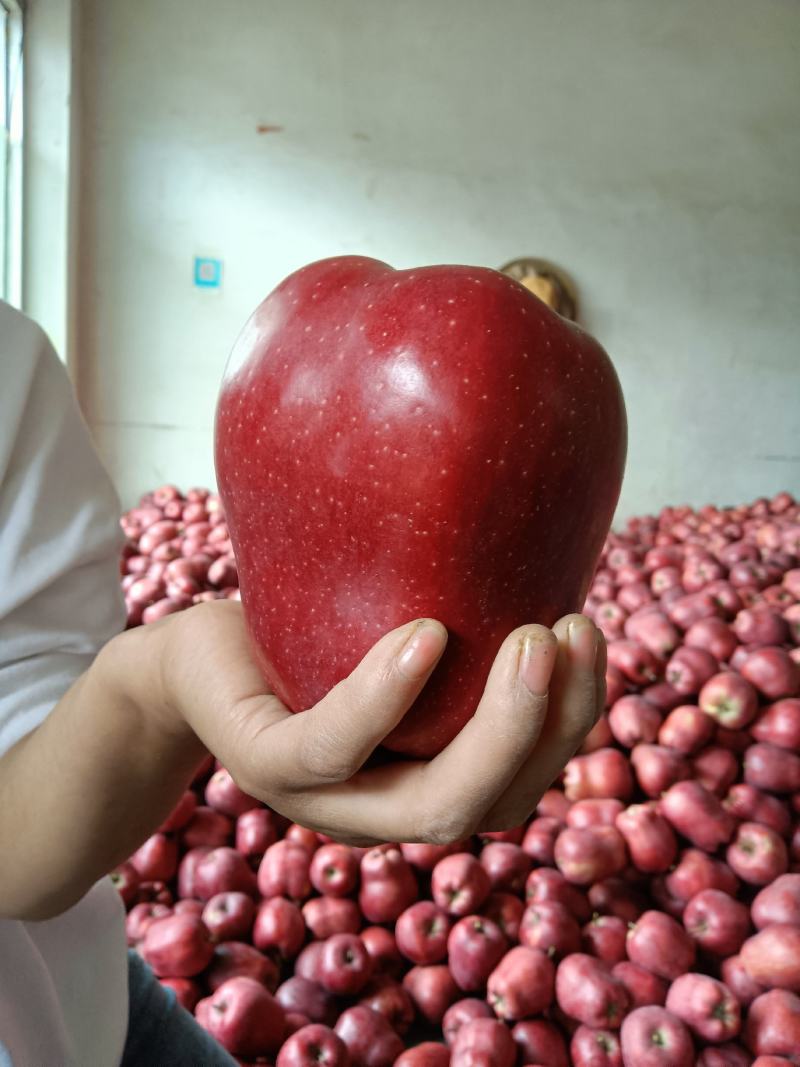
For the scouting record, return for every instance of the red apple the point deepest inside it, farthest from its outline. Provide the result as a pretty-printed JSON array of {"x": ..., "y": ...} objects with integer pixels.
[
  {"x": 334, "y": 870},
  {"x": 223, "y": 870},
  {"x": 484, "y": 1042},
  {"x": 707, "y": 1007},
  {"x": 474, "y": 946},
  {"x": 586, "y": 856},
  {"x": 187, "y": 871},
  {"x": 551, "y": 927},
  {"x": 643, "y": 986},
  {"x": 779, "y": 724},
  {"x": 301, "y": 835},
  {"x": 390, "y": 1000},
  {"x": 638, "y": 664},
  {"x": 652, "y": 845},
  {"x": 432, "y": 989},
  {"x": 311, "y": 1046},
  {"x": 521, "y": 985},
  {"x": 462, "y": 1012},
  {"x": 660, "y": 944},
  {"x": 545, "y": 883},
  {"x": 771, "y": 957},
  {"x": 696, "y": 871},
  {"x": 773, "y": 1024},
  {"x": 657, "y": 768},
  {"x": 595, "y": 1048},
  {"x": 773, "y": 769},
  {"x": 229, "y": 916},
  {"x": 140, "y": 917},
  {"x": 325, "y": 916},
  {"x": 388, "y": 885},
  {"x": 689, "y": 669},
  {"x": 255, "y": 832},
  {"x": 385, "y": 369},
  {"x": 206, "y": 829},
  {"x": 587, "y": 991},
  {"x": 540, "y": 1042},
  {"x": 733, "y": 974},
  {"x": 605, "y": 936},
  {"x": 427, "y": 1054},
  {"x": 125, "y": 878},
  {"x": 284, "y": 871},
  {"x": 778, "y": 902},
  {"x": 235, "y": 959},
  {"x": 716, "y": 768},
  {"x": 594, "y": 812},
  {"x": 460, "y": 883},
  {"x": 223, "y": 794},
  {"x": 757, "y": 854},
  {"x": 506, "y": 864},
  {"x": 506, "y": 910},
  {"x": 773, "y": 672},
  {"x": 599, "y": 736},
  {"x": 716, "y": 922},
  {"x": 157, "y": 859},
  {"x": 244, "y": 1017},
  {"x": 303, "y": 996},
  {"x": 425, "y": 857},
  {"x": 345, "y": 966},
  {"x": 633, "y": 719},
  {"x": 604, "y": 773},
  {"x": 714, "y": 635},
  {"x": 730, "y": 699},
  {"x": 615, "y": 896},
  {"x": 697, "y": 814},
  {"x": 653, "y": 1037},
  {"x": 760, "y": 626},
  {"x": 382, "y": 947},
  {"x": 279, "y": 927},
  {"x": 421, "y": 932},
  {"x": 177, "y": 946},
  {"x": 187, "y": 991}
]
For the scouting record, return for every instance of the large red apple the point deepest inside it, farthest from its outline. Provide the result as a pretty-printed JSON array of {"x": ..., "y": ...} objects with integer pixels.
[{"x": 396, "y": 444}]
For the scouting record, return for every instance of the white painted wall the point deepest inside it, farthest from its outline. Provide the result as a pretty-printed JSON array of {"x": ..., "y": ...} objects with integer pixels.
[{"x": 652, "y": 149}]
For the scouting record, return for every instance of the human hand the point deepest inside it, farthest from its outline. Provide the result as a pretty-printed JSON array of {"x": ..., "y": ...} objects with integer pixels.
[{"x": 543, "y": 694}]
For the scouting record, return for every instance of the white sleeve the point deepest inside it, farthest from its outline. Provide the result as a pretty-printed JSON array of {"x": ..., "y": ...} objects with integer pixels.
[{"x": 60, "y": 597}]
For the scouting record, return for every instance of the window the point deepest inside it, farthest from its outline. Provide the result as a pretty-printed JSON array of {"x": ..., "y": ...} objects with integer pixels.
[{"x": 10, "y": 151}]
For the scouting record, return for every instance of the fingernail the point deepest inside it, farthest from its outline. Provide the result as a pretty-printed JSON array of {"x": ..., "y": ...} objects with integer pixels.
[
  {"x": 536, "y": 663},
  {"x": 582, "y": 638},
  {"x": 421, "y": 650}
]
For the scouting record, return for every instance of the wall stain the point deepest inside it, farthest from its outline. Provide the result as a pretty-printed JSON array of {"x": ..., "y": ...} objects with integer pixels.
[{"x": 266, "y": 127}]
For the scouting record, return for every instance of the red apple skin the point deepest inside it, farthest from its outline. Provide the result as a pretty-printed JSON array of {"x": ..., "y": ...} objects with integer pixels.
[
  {"x": 773, "y": 1024},
  {"x": 551, "y": 927},
  {"x": 326, "y": 916},
  {"x": 388, "y": 885},
  {"x": 657, "y": 768},
  {"x": 126, "y": 882},
  {"x": 590, "y": 855},
  {"x": 595, "y": 1048},
  {"x": 587, "y": 991},
  {"x": 757, "y": 854},
  {"x": 223, "y": 794},
  {"x": 311, "y": 1046},
  {"x": 697, "y": 814},
  {"x": 727, "y": 1055},
  {"x": 651, "y": 842},
  {"x": 229, "y": 916},
  {"x": 279, "y": 927},
  {"x": 206, "y": 829},
  {"x": 637, "y": 663},
  {"x": 605, "y": 937},
  {"x": 707, "y": 1006},
  {"x": 779, "y": 724},
  {"x": 157, "y": 859},
  {"x": 223, "y": 870},
  {"x": 345, "y": 966},
  {"x": 475, "y": 945},
  {"x": 432, "y": 989},
  {"x": 334, "y": 870},
  {"x": 382, "y": 946},
  {"x": 716, "y": 922},
  {"x": 460, "y": 884},
  {"x": 308, "y": 961},
  {"x": 180, "y": 814},
  {"x": 751, "y": 805},
  {"x": 187, "y": 991},
  {"x": 716, "y": 768},
  {"x": 546, "y": 883},
  {"x": 771, "y": 1061},
  {"x": 686, "y": 729},
  {"x": 391, "y": 329},
  {"x": 425, "y": 857},
  {"x": 462, "y": 1012},
  {"x": 540, "y": 838},
  {"x": 643, "y": 986},
  {"x": 140, "y": 917},
  {"x": 506, "y": 864},
  {"x": 695, "y": 871},
  {"x": 771, "y": 957},
  {"x": 187, "y": 870},
  {"x": 506, "y": 910},
  {"x": 689, "y": 669},
  {"x": 386, "y": 996},
  {"x": 773, "y": 672},
  {"x": 284, "y": 871},
  {"x": 255, "y": 832},
  {"x": 778, "y": 902},
  {"x": 244, "y": 1017},
  {"x": 734, "y": 975},
  {"x": 540, "y": 1042},
  {"x": 760, "y": 626},
  {"x": 421, "y": 932},
  {"x": 487, "y": 1042},
  {"x": 553, "y": 804},
  {"x": 614, "y": 896},
  {"x": 615, "y": 685},
  {"x": 521, "y": 985},
  {"x": 773, "y": 769},
  {"x": 632, "y": 720},
  {"x": 660, "y": 944},
  {"x": 604, "y": 773},
  {"x": 235, "y": 959},
  {"x": 599, "y": 736},
  {"x": 303, "y": 996},
  {"x": 177, "y": 946},
  {"x": 594, "y": 812},
  {"x": 654, "y": 1037},
  {"x": 714, "y": 635},
  {"x": 730, "y": 699},
  {"x": 428, "y": 1054}
]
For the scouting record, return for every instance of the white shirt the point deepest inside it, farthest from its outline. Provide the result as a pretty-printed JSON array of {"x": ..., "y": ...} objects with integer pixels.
[{"x": 63, "y": 982}]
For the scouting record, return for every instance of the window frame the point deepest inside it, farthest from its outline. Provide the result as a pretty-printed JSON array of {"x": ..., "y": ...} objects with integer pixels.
[{"x": 11, "y": 149}]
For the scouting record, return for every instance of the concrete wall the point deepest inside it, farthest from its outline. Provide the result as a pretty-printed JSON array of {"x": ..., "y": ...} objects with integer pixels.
[{"x": 652, "y": 149}]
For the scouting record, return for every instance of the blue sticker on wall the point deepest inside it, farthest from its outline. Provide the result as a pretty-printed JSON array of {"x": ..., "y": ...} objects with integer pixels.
[{"x": 207, "y": 272}]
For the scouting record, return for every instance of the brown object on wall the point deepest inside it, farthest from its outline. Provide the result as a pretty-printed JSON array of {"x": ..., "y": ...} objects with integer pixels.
[{"x": 550, "y": 283}]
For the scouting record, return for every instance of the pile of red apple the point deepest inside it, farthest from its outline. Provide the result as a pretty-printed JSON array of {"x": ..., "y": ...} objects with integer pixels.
[{"x": 648, "y": 914}]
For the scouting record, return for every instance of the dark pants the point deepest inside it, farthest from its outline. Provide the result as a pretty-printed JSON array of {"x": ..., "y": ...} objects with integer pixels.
[{"x": 160, "y": 1032}]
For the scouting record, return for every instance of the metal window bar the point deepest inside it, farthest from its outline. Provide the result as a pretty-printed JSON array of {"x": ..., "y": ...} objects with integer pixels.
[{"x": 11, "y": 131}]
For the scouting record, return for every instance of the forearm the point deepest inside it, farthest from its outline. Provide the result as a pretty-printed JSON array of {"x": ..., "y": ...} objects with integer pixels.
[{"x": 81, "y": 792}]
